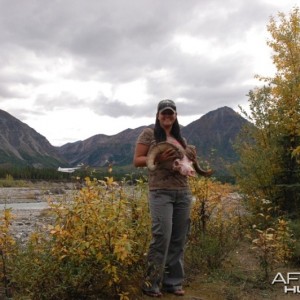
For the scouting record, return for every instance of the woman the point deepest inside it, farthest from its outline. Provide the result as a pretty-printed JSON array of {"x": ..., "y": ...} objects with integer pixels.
[{"x": 170, "y": 202}]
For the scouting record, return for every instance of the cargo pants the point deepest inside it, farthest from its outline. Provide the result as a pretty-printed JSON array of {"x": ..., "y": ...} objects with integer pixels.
[{"x": 170, "y": 214}]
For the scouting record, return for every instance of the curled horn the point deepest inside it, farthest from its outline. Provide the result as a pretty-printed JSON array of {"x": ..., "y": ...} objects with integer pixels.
[
  {"x": 154, "y": 151},
  {"x": 161, "y": 147},
  {"x": 198, "y": 169}
]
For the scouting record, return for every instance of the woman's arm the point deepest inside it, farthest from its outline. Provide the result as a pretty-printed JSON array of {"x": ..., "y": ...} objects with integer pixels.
[{"x": 140, "y": 155}]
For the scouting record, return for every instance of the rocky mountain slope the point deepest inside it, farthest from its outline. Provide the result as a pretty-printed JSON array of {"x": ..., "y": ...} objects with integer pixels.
[
  {"x": 20, "y": 145},
  {"x": 212, "y": 134},
  {"x": 100, "y": 149}
]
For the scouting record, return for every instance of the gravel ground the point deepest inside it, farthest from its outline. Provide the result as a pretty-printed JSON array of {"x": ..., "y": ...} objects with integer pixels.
[{"x": 28, "y": 204}]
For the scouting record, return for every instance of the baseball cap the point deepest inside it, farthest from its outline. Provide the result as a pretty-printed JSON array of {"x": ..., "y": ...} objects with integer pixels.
[{"x": 166, "y": 104}]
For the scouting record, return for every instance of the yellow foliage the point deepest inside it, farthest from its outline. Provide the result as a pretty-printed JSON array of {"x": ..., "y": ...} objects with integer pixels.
[
  {"x": 6, "y": 239},
  {"x": 215, "y": 222},
  {"x": 104, "y": 225},
  {"x": 269, "y": 150},
  {"x": 273, "y": 245},
  {"x": 7, "y": 246},
  {"x": 296, "y": 154}
]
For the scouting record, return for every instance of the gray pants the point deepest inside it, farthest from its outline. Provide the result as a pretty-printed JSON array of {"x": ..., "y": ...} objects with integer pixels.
[{"x": 170, "y": 213}]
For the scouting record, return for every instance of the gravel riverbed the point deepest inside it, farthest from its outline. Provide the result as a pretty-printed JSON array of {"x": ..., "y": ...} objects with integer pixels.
[{"x": 28, "y": 205}]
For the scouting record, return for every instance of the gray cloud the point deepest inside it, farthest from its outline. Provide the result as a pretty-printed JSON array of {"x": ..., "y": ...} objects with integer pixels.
[
  {"x": 116, "y": 42},
  {"x": 116, "y": 108},
  {"x": 63, "y": 100}
]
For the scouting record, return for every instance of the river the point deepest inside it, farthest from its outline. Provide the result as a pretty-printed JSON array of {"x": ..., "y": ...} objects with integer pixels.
[{"x": 25, "y": 206}]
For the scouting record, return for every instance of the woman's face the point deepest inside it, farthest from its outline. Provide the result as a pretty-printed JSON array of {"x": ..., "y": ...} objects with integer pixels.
[{"x": 167, "y": 118}]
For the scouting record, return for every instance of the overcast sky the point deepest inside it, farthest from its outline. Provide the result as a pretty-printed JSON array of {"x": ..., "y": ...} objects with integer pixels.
[{"x": 71, "y": 69}]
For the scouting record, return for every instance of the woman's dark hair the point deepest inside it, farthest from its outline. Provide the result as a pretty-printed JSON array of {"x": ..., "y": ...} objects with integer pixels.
[{"x": 160, "y": 134}]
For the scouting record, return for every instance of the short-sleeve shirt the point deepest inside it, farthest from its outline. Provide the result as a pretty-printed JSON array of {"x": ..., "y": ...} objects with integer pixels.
[{"x": 163, "y": 177}]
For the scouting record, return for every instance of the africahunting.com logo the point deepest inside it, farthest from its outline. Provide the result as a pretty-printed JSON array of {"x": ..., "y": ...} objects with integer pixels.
[{"x": 290, "y": 281}]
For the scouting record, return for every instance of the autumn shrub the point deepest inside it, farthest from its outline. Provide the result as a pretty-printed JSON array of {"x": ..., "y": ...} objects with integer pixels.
[
  {"x": 216, "y": 222},
  {"x": 9, "y": 181},
  {"x": 271, "y": 235},
  {"x": 295, "y": 228},
  {"x": 273, "y": 246},
  {"x": 95, "y": 246},
  {"x": 8, "y": 251}
]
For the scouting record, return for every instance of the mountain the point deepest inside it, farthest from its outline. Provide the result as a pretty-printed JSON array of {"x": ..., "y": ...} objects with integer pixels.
[
  {"x": 20, "y": 145},
  {"x": 100, "y": 149},
  {"x": 212, "y": 133},
  {"x": 215, "y": 132}
]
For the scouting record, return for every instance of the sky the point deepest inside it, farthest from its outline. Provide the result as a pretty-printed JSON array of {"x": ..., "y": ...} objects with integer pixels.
[{"x": 71, "y": 69}]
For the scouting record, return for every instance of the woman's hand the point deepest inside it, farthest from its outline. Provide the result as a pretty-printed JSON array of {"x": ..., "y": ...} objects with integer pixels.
[{"x": 168, "y": 154}]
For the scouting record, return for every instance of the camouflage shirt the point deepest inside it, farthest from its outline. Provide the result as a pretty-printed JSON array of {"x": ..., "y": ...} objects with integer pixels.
[{"x": 163, "y": 177}]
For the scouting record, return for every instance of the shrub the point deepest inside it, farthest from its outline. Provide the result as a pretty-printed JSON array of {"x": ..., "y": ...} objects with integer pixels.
[
  {"x": 270, "y": 234},
  {"x": 8, "y": 250},
  {"x": 95, "y": 246},
  {"x": 295, "y": 228},
  {"x": 273, "y": 245},
  {"x": 215, "y": 224}
]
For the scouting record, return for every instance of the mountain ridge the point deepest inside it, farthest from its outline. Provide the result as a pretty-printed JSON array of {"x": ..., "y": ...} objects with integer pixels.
[
  {"x": 216, "y": 131},
  {"x": 20, "y": 144}
]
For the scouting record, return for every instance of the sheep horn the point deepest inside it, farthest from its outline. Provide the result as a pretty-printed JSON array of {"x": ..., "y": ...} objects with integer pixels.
[
  {"x": 200, "y": 171},
  {"x": 161, "y": 147},
  {"x": 154, "y": 151},
  {"x": 197, "y": 167}
]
